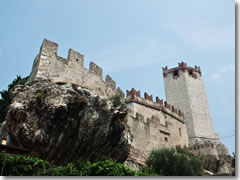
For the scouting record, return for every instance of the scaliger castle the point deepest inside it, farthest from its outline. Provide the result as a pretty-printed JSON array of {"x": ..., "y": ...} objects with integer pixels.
[{"x": 183, "y": 119}]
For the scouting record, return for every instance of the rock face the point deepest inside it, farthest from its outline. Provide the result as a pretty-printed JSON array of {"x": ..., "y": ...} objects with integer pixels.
[
  {"x": 214, "y": 156},
  {"x": 62, "y": 123}
]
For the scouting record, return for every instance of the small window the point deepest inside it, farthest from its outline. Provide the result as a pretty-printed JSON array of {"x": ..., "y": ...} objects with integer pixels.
[
  {"x": 77, "y": 60},
  {"x": 180, "y": 132},
  {"x": 165, "y": 139},
  {"x": 175, "y": 73}
]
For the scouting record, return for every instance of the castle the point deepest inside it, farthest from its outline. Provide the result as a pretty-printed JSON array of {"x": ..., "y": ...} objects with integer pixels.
[{"x": 183, "y": 119}]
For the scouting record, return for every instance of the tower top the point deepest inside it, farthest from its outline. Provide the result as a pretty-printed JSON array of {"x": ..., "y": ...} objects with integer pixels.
[{"x": 183, "y": 67}]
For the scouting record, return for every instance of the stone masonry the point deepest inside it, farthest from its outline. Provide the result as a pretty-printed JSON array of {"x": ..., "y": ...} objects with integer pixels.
[
  {"x": 48, "y": 65},
  {"x": 184, "y": 89},
  {"x": 153, "y": 125}
]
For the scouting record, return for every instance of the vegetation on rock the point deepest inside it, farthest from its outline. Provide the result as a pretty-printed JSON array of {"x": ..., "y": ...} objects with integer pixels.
[{"x": 6, "y": 100}]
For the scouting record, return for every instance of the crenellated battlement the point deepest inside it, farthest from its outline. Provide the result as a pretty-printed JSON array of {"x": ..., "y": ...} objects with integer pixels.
[
  {"x": 159, "y": 104},
  {"x": 204, "y": 149},
  {"x": 48, "y": 65},
  {"x": 202, "y": 146},
  {"x": 193, "y": 72}
]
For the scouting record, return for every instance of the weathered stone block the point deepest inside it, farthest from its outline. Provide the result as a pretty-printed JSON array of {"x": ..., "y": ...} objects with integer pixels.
[
  {"x": 120, "y": 92},
  {"x": 49, "y": 48},
  {"x": 110, "y": 83},
  {"x": 75, "y": 57},
  {"x": 95, "y": 69}
]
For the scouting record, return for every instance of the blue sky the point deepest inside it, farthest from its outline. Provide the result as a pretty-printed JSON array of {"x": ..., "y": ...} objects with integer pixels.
[{"x": 131, "y": 40}]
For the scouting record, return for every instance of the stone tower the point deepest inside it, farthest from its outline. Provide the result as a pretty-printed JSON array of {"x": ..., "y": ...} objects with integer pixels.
[{"x": 185, "y": 90}]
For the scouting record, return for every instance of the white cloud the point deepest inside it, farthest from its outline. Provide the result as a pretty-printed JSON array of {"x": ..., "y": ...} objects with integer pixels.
[
  {"x": 227, "y": 68},
  {"x": 218, "y": 74},
  {"x": 215, "y": 76}
]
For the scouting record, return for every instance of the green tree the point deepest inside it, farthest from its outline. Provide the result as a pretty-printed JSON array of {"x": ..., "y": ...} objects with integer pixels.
[
  {"x": 6, "y": 100},
  {"x": 174, "y": 162},
  {"x": 105, "y": 168},
  {"x": 18, "y": 165}
]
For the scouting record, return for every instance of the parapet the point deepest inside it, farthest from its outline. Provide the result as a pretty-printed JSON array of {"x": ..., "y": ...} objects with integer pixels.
[
  {"x": 95, "y": 69},
  {"x": 49, "y": 48},
  {"x": 197, "y": 147},
  {"x": 110, "y": 83},
  {"x": 183, "y": 67},
  {"x": 75, "y": 56},
  {"x": 204, "y": 149},
  {"x": 48, "y": 65},
  {"x": 134, "y": 96}
]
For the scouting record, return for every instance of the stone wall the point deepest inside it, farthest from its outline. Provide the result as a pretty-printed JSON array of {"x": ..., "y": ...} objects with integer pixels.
[
  {"x": 184, "y": 89},
  {"x": 153, "y": 125},
  {"x": 204, "y": 149},
  {"x": 48, "y": 65}
]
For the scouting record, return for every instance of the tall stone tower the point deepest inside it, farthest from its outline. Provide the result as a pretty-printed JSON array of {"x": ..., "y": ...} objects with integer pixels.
[{"x": 185, "y": 90}]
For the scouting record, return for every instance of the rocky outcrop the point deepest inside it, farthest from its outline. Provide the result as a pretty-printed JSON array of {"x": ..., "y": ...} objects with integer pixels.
[
  {"x": 63, "y": 122},
  {"x": 215, "y": 157}
]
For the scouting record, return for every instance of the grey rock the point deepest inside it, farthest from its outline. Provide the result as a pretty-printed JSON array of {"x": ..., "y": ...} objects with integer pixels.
[{"x": 63, "y": 123}]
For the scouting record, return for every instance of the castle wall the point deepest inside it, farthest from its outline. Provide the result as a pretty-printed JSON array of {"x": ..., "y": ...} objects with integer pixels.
[
  {"x": 152, "y": 128},
  {"x": 186, "y": 90},
  {"x": 204, "y": 149},
  {"x": 48, "y": 65}
]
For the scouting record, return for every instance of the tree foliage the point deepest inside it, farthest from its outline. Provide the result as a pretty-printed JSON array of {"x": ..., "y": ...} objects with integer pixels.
[
  {"x": 18, "y": 165},
  {"x": 6, "y": 100},
  {"x": 106, "y": 168},
  {"x": 174, "y": 162}
]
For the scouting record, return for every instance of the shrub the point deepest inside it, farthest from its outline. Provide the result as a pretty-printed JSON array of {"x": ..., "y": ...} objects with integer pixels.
[
  {"x": 174, "y": 162},
  {"x": 19, "y": 165},
  {"x": 6, "y": 100},
  {"x": 118, "y": 100},
  {"x": 40, "y": 97},
  {"x": 145, "y": 171},
  {"x": 106, "y": 168},
  {"x": 68, "y": 170}
]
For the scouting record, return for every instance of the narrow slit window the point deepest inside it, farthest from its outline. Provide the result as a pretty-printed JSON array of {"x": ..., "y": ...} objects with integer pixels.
[
  {"x": 165, "y": 139},
  {"x": 180, "y": 132}
]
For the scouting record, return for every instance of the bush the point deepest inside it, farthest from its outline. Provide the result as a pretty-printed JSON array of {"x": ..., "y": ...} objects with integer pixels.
[
  {"x": 68, "y": 170},
  {"x": 39, "y": 97},
  {"x": 174, "y": 162},
  {"x": 106, "y": 168},
  {"x": 145, "y": 171},
  {"x": 118, "y": 100},
  {"x": 19, "y": 165},
  {"x": 6, "y": 100}
]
